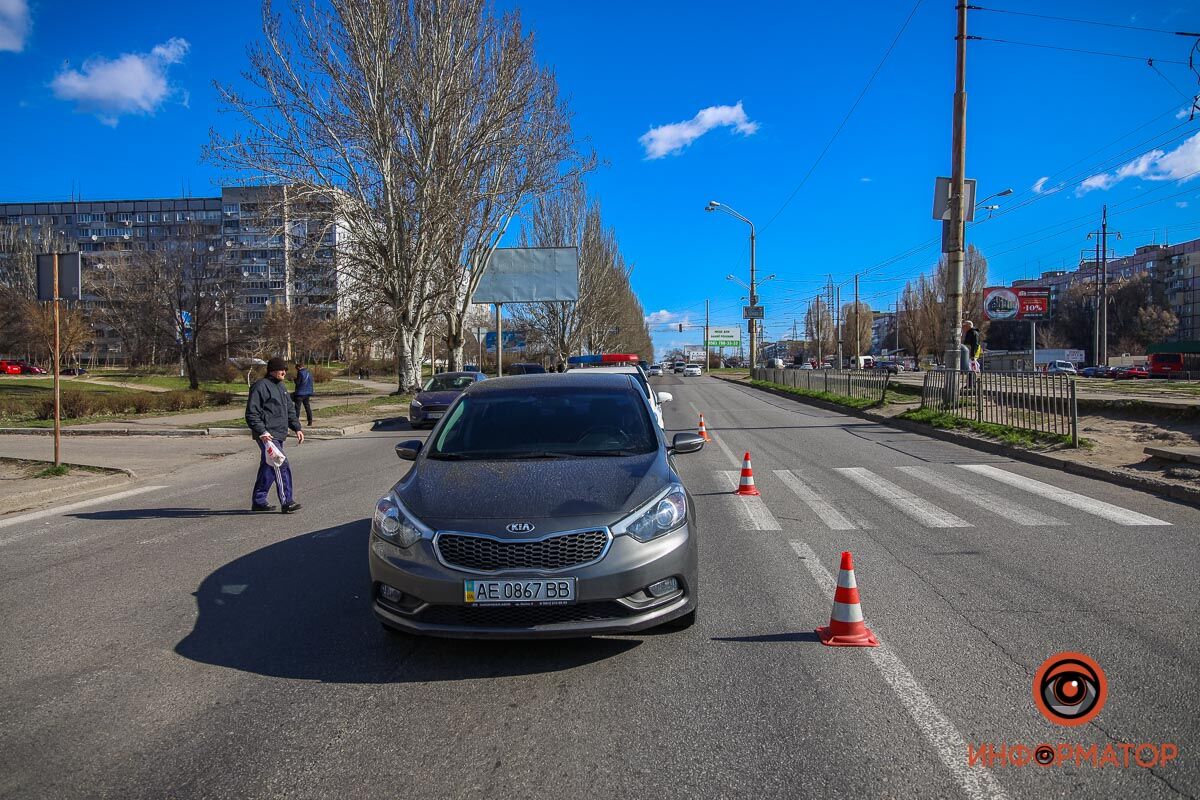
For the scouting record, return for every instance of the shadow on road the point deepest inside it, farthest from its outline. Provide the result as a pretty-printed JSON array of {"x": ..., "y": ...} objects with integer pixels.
[
  {"x": 800, "y": 636},
  {"x": 301, "y": 609},
  {"x": 163, "y": 513}
]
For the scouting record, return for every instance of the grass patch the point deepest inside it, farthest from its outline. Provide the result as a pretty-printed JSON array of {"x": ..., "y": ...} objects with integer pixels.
[
  {"x": 1016, "y": 437},
  {"x": 52, "y": 471},
  {"x": 234, "y": 387},
  {"x": 829, "y": 397},
  {"x": 33, "y": 406},
  {"x": 328, "y": 412}
]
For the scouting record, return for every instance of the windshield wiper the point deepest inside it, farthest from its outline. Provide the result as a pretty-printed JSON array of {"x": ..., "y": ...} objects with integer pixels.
[
  {"x": 605, "y": 453},
  {"x": 540, "y": 454},
  {"x": 447, "y": 456}
]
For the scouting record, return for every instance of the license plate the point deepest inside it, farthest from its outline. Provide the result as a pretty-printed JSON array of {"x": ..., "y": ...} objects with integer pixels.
[
  {"x": 559, "y": 591},
  {"x": 435, "y": 414}
]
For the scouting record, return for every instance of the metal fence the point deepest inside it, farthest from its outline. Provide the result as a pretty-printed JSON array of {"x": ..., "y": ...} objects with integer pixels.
[
  {"x": 865, "y": 384},
  {"x": 1030, "y": 401}
]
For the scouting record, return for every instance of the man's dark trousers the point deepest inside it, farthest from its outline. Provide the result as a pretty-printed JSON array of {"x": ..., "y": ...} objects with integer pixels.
[
  {"x": 266, "y": 477},
  {"x": 306, "y": 401}
]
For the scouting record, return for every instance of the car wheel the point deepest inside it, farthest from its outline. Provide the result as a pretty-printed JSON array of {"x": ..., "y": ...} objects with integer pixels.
[{"x": 680, "y": 623}]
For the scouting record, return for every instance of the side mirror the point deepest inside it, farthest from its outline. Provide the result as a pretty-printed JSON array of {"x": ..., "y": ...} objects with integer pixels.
[
  {"x": 687, "y": 443},
  {"x": 408, "y": 450},
  {"x": 665, "y": 397}
]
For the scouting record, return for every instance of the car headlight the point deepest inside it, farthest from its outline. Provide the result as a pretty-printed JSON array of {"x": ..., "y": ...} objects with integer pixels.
[
  {"x": 394, "y": 525},
  {"x": 663, "y": 514},
  {"x": 416, "y": 402}
]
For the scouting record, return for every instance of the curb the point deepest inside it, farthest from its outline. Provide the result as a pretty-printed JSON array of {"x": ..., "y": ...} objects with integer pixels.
[
  {"x": 245, "y": 432},
  {"x": 104, "y": 432},
  {"x": 1186, "y": 494}
]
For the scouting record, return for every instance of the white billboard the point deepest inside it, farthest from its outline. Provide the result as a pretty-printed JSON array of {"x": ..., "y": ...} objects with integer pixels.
[{"x": 724, "y": 336}]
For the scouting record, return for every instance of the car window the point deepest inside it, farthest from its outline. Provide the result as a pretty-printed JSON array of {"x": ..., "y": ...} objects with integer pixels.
[
  {"x": 448, "y": 383},
  {"x": 548, "y": 423}
]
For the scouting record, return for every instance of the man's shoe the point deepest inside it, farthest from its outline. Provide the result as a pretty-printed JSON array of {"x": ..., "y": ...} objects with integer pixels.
[
  {"x": 264, "y": 507},
  {"x": 288, "y": 508}
]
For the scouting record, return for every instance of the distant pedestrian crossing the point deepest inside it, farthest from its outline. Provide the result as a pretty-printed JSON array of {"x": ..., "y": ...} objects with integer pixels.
[{"x": 934, "y": 496}]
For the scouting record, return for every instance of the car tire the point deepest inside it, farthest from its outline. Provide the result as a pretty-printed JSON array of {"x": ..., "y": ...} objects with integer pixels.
[{"x": 680, "y": 623}]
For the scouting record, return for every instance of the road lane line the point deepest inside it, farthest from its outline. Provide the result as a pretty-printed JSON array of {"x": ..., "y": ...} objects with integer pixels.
[
  {"x": 820, "y": 506},
  {"x": 977, "y": 783},
  {"x": 58, "y": 510},
  {"x": 1080, "y": 502},
  {"x": 1022, "y": 515},
  {"x": 922, "y": 511},
  {"x": 761, "y": 518}
]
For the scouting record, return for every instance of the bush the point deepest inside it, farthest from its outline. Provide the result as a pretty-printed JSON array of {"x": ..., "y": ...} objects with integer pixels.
[
  {"x": 141, "y": 403},
  {"x": 180, "y": 399},
  {"x": 220, "y": 398},
  {"x": 221, "y": 371},
  {"x": 74, "y": 403},
  {"x": 12, "y": 408},
  {"x": 321, "y": 374}
]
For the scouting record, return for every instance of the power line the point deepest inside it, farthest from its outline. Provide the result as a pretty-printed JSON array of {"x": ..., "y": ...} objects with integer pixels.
[
  {"x": 846, "y": 118},
  {"x": 1076, "y": 50},
  {"x": 1082, "y": 21}
]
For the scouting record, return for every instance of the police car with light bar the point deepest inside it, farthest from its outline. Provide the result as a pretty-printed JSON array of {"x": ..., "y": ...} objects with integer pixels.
[{"x": 622, "y": 363}]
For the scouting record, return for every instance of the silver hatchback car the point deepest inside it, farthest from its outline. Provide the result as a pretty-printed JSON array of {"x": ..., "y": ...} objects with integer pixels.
[{"x": 539, "y": 507}]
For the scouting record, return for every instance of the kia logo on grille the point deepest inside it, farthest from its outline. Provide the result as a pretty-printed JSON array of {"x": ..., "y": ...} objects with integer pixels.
[{"x": 519, "y": 527}]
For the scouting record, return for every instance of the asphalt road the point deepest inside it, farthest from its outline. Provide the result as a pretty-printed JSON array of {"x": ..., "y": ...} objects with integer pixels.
[{"x": 168, "y": 644}]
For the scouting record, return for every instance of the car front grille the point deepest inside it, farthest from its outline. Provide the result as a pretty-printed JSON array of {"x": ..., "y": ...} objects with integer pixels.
[
  {"x": 486, "y": 554},
  {"x": 434, "y": 408},
  {"x": 522, "y": 616}
]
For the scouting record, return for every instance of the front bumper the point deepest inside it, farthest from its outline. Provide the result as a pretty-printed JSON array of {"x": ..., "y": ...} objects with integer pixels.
[{"x": 609, "y": 596}]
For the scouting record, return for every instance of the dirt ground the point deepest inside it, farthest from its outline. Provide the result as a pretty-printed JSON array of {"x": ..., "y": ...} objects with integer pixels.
[{"x": 1120, "y": 443}]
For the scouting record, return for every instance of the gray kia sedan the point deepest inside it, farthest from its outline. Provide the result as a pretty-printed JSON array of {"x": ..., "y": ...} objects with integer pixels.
[{"x": 540, "y": 506}]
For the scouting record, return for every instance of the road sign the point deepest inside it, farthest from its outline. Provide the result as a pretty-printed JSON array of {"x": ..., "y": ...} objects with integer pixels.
[
  {"x": 941, "y": 199},
  {"x": 513, "y": 340},
  {"x": 530, "y": 274},
  {"x": 752, "y": 312},
  {"x": 1030, "y": 303},
  {"x": 694, "y": 353},
  {"x": 68, "y": 276},
  {"x": 724, "y": 336}
]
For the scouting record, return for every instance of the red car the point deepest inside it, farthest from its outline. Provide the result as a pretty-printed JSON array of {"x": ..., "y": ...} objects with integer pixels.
[
  {"x": 1131, "y": 372},
  {"x": 10, "y": 368},
  {"x": 31, "y": 369}
]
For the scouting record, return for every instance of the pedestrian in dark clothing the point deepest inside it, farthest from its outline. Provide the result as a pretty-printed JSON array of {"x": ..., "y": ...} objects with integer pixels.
[
  {"x": 304, "y": 391},
  {"x": 270, "y": 414}
]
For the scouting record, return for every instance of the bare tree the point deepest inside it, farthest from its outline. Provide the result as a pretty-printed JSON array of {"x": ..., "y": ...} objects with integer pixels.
[{"x": 818, "y": 321}]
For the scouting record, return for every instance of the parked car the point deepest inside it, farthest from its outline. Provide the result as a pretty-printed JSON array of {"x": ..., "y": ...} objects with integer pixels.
[
  {"x": 655, "y": 399},
  {"x": 1126, "y": 373},
  {"x": 692, "y": 371},
  {"x": 524, "y": 369},
  {"x": 806, "y": 365},
  {"x": 891, "y": 367},
  {"x": 655, "y": 371},
  {"x": 1061, "y": 368},
  {"x": 1094, "y": 371},
  {"x": 10, "y": 368},
  {"x": 31, "y": 369},
  {"x": 603, "y": 542},
  {"x": 430, "y": 404},
  {"x": 1165, "y": 364},
  {"x": 77, "y": 371}
]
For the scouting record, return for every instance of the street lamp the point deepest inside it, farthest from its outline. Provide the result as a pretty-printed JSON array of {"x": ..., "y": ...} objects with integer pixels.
[
  {"x": 1001, "y": 193},
  {"x": 752, "y": 324}
]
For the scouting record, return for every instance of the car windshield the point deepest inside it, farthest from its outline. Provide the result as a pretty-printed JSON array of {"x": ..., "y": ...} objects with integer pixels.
[
  {"x": 448, "y": 383},
  {"x": 549, "y": 423}
]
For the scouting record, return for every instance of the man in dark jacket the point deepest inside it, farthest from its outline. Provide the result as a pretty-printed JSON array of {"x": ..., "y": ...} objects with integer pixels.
[
  {"x": 304, "y": 391},
  {"x": 270, "y": 414}
]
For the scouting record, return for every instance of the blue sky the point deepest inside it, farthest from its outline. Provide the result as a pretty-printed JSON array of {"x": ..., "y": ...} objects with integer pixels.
[{"x": 117, "y": 105}]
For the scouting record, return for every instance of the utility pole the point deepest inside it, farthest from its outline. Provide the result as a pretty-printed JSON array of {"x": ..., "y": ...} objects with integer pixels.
[
  {"x": 837, "y": 322},
  {"x": 856, "y": 325},
  {"x": 1103, "y": 359},
  {"x": 954, "y": 258},
  {"x": 897, "y": 327},
  {"x": 754, "y": 302},
  {"x": 1096, "y": 315},
  {"x": 707, "y": 354},
  {"x": 57, "y": 367}
]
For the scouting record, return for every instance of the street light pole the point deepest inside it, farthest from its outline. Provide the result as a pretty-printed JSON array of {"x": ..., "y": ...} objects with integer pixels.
[
  {"x": 751, "y": 324},
  {"x": 954, "y": 258}
]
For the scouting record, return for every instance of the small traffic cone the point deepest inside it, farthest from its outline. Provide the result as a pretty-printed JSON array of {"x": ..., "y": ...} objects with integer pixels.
[
  {"x": 704, "y": 431},
  {"x": 846, "y": 627},
  {"x": 746, "y": 482}
]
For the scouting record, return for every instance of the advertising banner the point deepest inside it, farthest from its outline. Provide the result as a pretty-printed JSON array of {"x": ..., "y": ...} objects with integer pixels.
[
  {"x": 730, "y": 336},
  {"x": 1030, "y": 303}
]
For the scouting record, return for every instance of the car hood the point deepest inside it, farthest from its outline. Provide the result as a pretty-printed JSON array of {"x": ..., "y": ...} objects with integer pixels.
[
  {"x": 438, "y": 398},
  {"x": 552, "y": 494}
]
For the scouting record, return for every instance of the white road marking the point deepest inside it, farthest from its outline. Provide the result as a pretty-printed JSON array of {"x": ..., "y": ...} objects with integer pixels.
[
  {"x": 59, "y": 510},
  {"x": 820, "y": 506},
  {"x": 1022, "y": 515},
  {"x": 908, "y": 503},
  {"x": 759, "y": 516},
  {"x": 1121, "y": 516},
  {"x": 947, "y": 742}
]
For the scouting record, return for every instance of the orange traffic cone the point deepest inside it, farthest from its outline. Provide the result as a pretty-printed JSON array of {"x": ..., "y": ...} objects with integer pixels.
[
  {"x": 704, "y": 431},
  {"x": 746, "y": 482},
  {"x": 846, "y": 627}
]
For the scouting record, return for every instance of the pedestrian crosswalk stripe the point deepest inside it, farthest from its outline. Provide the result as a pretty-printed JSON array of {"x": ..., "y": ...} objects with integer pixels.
[
  {"x": 908, "y": 503},
  {"x": 820, "y": 506},
  {"x": 1099, "y": 508},
  {"x": 757, "y": 514},
  {"x": 1022, "y": 515}
]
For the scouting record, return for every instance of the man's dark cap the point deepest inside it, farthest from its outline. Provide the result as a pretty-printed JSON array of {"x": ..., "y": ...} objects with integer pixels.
[{"x": 276, "y": 364}]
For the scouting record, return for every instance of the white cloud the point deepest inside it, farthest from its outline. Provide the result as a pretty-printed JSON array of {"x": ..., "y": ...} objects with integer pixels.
[
  {"x": 672, "y": 139},
  {"x": 131, "y": 83},
  {"x": 866, "y": 180},
  {"x": 1039, "y": 184},
  {"x": 665, "y": 317},
  {"x": 1183, "y": 113},
  {"x": 14, "y": 25},
  {"x": 1182, "y": 204},
  {"x": 1180, "y": 164}
]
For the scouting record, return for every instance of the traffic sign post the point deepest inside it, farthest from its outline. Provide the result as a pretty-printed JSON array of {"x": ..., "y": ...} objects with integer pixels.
[{"x": 752, "y": 312}]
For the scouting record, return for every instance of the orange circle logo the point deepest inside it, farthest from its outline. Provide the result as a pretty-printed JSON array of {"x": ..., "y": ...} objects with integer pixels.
[{"x": 1069, "y": 689}]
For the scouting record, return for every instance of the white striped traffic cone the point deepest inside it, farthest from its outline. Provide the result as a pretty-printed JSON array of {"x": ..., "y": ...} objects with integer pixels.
[
  {"x": 746, "y": 482},
  {"x": 846, "y": 627},
  {"x": 704, "y": 431}
]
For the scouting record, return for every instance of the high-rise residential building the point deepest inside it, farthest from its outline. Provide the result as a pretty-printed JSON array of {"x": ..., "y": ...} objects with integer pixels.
[{"x": 266, "y": 248}]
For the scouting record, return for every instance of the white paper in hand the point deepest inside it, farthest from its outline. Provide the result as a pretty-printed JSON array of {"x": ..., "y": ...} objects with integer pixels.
[{"x": 275, "y": 456}]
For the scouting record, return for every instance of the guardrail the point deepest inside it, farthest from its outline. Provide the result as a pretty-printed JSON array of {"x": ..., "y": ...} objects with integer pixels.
[
  {"x": 865, "y": 384},
  {"x": 1029, "y": 401}
]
